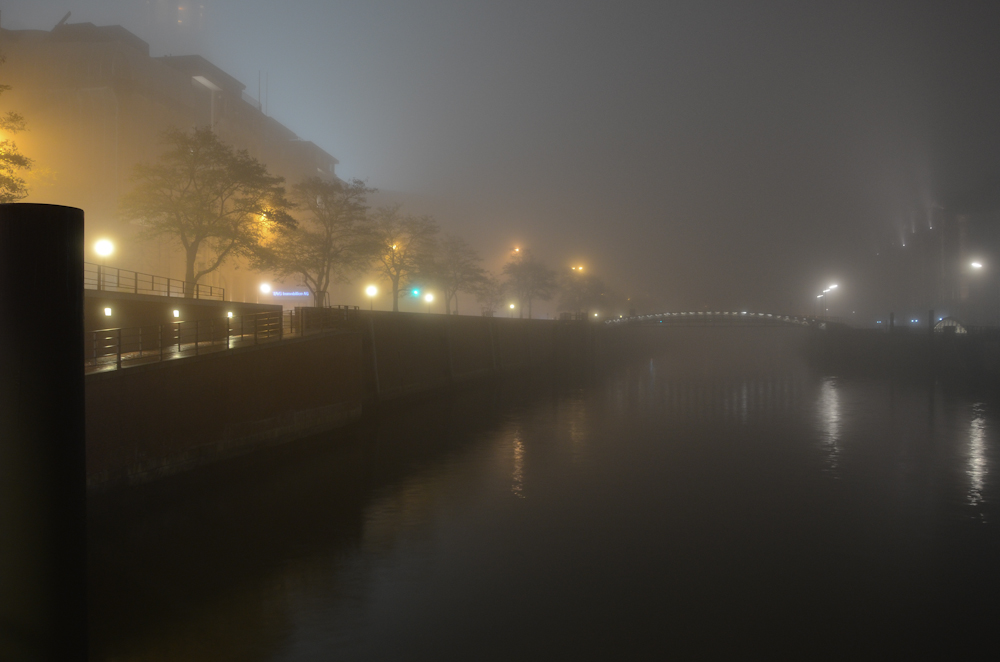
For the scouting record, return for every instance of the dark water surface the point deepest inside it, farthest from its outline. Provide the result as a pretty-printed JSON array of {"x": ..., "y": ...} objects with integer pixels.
[{"x": 717, "y": 500}]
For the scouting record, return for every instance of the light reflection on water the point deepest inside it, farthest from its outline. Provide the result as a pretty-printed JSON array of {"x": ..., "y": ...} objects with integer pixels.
[
  {"x": 674, "y": 500},
  {"x": 828, "y": 412},
  {"x": 977, "y": 470}
]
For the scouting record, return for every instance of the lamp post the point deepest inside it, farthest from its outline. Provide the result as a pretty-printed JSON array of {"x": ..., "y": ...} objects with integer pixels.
[
  {"x": 104, "y": 248},
  {"x": 428, "y": 298},
  {"x": 371, "y": 291},
  {"x": 264, "y": 289}
]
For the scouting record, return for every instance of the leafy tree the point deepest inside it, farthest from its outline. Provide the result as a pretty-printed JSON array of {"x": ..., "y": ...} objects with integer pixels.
[
  {"x": 329, "y": 242},
  {"x": 528, "y": 279},
  {"x": 401, "y": 245},
  {"x": 12, "y": 162},
  {"x": 208, "y": 198},
  {"x": 490, "y": 292},
  {"x": 454, "y": 268}
]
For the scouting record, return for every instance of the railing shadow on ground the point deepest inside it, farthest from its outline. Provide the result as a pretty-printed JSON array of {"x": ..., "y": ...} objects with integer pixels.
[{"x": 114, "y": 349}]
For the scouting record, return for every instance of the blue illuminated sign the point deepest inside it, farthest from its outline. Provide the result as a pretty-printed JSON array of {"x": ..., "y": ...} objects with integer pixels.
[{"x": 279, "y": 293}]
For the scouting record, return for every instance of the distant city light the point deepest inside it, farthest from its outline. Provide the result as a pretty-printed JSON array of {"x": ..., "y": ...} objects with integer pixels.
[
  {"x": 104, "y": 248},
  {"x": 107, "y": 312}
]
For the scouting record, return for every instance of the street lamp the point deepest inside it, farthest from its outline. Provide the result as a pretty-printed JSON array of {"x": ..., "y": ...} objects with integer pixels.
[
  {"x": 371, "y": 291},
  {"x": 264, "y": 289},
  {"x": 104, "y": 248},
  {"x": 976, "y": 265},
  {"x": 512, "y": 310},
  {"x": 428, "y": 298}
]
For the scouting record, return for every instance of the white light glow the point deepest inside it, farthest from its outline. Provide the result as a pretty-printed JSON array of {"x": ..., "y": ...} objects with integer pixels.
[
  {"x": 107, "y": 312},
  {"x": 104, "y": 248},
  {"x": 177, "y": 313},
  {"x": 265, "y": 288},
  {"x": 371, "y": 290}
]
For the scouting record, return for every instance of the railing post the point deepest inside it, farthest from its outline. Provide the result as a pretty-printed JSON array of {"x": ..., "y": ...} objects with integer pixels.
[
  {"x": 281, "y": 325},
  {"x": 118, "y": 357},
  {"x": 160, "y": 332},
  {"x": 178, "y": 338},
  {"x": 229, "y": 324}
]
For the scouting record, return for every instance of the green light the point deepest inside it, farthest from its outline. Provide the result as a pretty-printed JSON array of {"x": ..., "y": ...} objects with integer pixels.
[{"x": 416, "y": 293}]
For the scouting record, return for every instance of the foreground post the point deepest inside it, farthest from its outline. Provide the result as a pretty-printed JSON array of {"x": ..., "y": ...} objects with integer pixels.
[{"x": 43, "y": 608}]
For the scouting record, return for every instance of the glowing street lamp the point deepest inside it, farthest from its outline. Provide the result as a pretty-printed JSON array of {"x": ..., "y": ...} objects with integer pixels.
[
  {"x": 512, "y": 310},
  {"x": 428, "y": 298},
  {"x": 264, "y": 289},
  {"x": 976, "y": 265},
  {"x": 371, "y": 291},
  {"x": 104, "y": 248}
]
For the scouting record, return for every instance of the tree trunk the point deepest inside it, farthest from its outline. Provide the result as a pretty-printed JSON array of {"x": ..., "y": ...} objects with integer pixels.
[
  {"x": 456, "y": 302},
  {"x": 319, "y": 298},
  {"x": 395, "y": 295},
  {"x": 529, "y": 309},
  {"x": 190, "y": 284},
  {"x": 447, "y": 304}
]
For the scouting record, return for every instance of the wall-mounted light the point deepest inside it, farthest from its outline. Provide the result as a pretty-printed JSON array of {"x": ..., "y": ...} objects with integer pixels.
[
  {"x": 107, "y": 312},
  {"x": 229, "y": 315},
  {"x": 177, "y": 313}
]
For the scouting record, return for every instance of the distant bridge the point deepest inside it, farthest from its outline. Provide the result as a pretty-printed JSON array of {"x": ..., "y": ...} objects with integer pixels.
[{"x": 740, "y": 318}]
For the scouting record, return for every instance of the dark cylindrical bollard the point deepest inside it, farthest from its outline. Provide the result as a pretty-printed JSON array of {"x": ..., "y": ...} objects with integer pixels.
[{"x": 43, "y": 607}]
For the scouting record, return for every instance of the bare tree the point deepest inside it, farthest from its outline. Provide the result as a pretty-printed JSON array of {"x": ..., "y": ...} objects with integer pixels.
[
  {"x": 528, "y": 279},
  {"x": 12, "y": 162},
  {"x": 583, "y": 293},
  {"x": 490, "y": 293},
  {"x": 330, "y": 241},
  {"x": 207, "y": 197},
  {"x": 455, "y": 267},
  {"x": 400, "y": 245}
]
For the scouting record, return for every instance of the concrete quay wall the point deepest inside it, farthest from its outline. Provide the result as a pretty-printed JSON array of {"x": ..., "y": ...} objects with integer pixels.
[{"x": 149, "y": 421}]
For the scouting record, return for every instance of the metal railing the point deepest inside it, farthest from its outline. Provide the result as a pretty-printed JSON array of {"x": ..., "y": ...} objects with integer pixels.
[
  {"x": 106, "y": 349},
  {"x": 113, "y": 279},
  {"x": 113, "y": 349}
]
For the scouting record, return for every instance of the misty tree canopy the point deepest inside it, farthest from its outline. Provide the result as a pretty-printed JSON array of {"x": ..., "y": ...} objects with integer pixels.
[
  {"x": 12, "y": 162},
  {"x": 331, "y": 240},
  {"x": 210, "y": 200}
]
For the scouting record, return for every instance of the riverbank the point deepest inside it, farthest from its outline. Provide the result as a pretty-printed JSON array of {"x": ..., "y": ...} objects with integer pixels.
[{"x": 153, "y": 420}]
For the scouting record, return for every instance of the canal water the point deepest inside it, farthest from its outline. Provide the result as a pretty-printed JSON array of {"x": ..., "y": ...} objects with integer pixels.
[{"x": 718, "y": 499}]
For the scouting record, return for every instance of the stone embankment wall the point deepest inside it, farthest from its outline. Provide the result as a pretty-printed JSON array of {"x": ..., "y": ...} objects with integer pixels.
[{"x": 152, "y": 420}]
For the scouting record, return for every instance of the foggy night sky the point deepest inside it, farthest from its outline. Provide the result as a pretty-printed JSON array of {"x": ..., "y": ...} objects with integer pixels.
[{"x": 735, "y": 154}]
